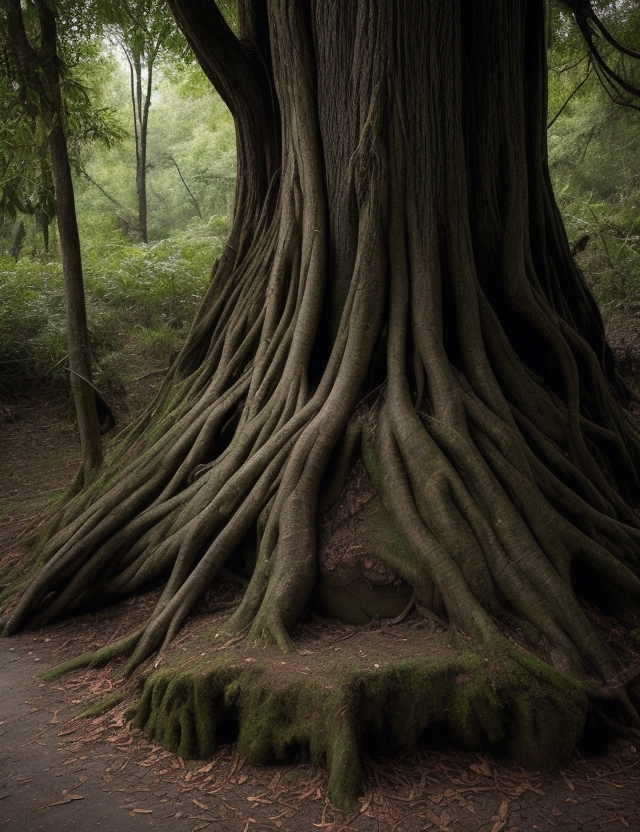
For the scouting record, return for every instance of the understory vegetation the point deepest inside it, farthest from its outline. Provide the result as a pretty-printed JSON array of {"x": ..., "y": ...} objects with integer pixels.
[
  {"x": 593, "y": 159},
  {"x": 141, "y": 298}
]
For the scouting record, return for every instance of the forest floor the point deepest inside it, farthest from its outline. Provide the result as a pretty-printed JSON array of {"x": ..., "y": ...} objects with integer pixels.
[{"x": 58, "y": 770}]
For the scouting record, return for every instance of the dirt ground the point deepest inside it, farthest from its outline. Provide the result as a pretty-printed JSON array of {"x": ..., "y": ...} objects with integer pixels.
[{"x": 61, "y": 771}]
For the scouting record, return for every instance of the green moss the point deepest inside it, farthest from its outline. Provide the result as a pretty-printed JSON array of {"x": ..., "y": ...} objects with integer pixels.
[
  {"x": 346, "y": 779},
  {"x": 510, "y": 704},
  {"x": 545, "y": 714},
  {"x": 76, "y": 663},
  {"x": 97, "y": 658},
  {"x": 100, "y": 706},
  {"x": 10, "y": 591}
]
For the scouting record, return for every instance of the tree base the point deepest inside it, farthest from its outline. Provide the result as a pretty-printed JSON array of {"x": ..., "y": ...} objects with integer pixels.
[{"x": 379, "y": 689}]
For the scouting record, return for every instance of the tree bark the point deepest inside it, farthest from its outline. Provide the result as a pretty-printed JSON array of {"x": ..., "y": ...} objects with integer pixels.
[{"x": 397, "y": 280}]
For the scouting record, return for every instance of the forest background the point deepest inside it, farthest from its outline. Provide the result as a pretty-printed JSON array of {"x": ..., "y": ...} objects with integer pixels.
[{"x": 142, "y": 296}]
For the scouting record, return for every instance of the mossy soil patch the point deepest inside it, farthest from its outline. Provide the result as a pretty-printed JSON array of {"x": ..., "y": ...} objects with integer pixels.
[{"x": 380, "y": 688}]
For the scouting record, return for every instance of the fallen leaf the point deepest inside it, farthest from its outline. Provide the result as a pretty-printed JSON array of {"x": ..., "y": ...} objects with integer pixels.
[
  {"x": 482, "y": 768},
  {"x": 200, "y": 804},
  {"x": 142, "y": 811},
  {"x": 568, "y": 782},
  {"x": 68, "y": 799},
  {"x": 365, "y": 804}
]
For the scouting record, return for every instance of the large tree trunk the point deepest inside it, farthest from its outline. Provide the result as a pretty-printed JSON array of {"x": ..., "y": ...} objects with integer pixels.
[{"x": 397, "y": 280}]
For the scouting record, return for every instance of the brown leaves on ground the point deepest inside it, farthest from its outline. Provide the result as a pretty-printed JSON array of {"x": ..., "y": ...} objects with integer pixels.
[{"x": 431, "y": 789}]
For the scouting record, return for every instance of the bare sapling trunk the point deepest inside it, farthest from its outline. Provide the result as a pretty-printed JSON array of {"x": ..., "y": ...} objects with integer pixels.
[
  {"x": 141, "y": 103},
  {"x": 141, "y": 57}
]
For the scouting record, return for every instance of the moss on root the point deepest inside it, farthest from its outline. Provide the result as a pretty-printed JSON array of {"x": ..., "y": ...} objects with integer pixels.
[
  {"x": 96, "y": 658},
  {"x": 100, "y": 706},
  {"x": 327, "y": 708}
]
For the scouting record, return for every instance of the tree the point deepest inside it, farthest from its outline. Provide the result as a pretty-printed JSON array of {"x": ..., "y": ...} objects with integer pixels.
[
  {"x": 36, "y": 67},
  {"x": 397, "y": 299},
  {"x": 142, "y": 29},
  {"x": 26, "y": 178}
]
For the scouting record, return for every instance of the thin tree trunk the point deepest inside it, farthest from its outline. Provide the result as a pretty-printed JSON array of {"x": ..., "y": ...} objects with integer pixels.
[
  {"x": 47, "y": 86},
  {"x": 77, "y": 333},
  {"x": 140, "y": 61},
  {"x": 140, "y": 133}
]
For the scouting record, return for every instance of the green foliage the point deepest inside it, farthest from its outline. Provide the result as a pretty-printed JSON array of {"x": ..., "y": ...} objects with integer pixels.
[
  {"x": 100, "y": 706},
  {"x": 142, "y": 297},
  {"x": 26, "y": 180},
  {"x": 191, "y": 138},
  {"x": 611, "y": 260},
  {"x": 593, "y": 157},
  {"x": 32, "y": 326}
]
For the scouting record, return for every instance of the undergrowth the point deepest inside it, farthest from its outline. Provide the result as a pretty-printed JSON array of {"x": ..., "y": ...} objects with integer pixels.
[
  {"x": 610, "y": 259},
  {"x": 141, "y": 296}
]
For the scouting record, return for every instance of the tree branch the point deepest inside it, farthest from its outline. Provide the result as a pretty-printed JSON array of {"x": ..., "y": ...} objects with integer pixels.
[
  {"x": 108, "y": 196},
  {"x": 577, "y": 89},
  {"x": 584, "y": 15},
  {"x": 240, "y": 72},
  {"x": 193, "y": 199},
  {"x": 227, "y": 64}
]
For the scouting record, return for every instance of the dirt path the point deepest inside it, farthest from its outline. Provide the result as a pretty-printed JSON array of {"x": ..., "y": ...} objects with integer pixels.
[{"x": 58, "y": 771}]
